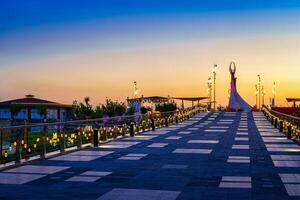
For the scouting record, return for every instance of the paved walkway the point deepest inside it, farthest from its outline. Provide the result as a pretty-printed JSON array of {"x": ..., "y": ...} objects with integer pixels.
[{"x": 211, "y": 156}]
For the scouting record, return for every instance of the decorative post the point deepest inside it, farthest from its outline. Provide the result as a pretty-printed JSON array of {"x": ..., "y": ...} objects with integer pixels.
[
  {"x": 44, "y": 141},
  {"x": 152, "y": 124},
  {"x": 276, "y": 122},
  {"x": 131, "y": 130},
  {"x": 289, "y": 132},
  {"x": 281, "y": 126},
  {"x": 96, "y": 138},
  {"x": 166, "y": 122},
  {"x": 215, "y": 77}
]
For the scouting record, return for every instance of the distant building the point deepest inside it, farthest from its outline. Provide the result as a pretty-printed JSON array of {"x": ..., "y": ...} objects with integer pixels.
[{"x": 29, "y": 111}]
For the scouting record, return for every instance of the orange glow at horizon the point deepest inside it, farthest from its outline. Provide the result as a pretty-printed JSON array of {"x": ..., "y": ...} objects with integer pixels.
[{"x": 177, "y": 70}]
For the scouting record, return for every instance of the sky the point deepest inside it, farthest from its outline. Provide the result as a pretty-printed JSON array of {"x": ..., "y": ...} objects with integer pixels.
[{"x": 64, "y": 50}]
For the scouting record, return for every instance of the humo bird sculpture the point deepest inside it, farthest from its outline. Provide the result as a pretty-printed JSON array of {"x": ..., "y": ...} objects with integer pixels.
[{"x": 236, "y": 102}]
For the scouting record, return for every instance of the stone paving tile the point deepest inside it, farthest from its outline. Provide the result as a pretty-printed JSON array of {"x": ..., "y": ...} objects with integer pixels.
[
  {"x": 237, "y": 146},
  {"x": 192, "y": 129},
  {"x": 286, "y": 163},
  {"x": 173, "y": 138},
  {"x": 83, "y": 179},
  {"x": 169, "y": 166},
  {"x": 193, "y": 151},
  {"x": 95, "y": 173},
  {"x": 158, "y": 145},
  {"x": 12, "y": 178},
  {"x": 293, "y": 189},
  {"x": 215, "y": 130},
  {"x": 235, "y": 185},
  {"x": 238, "y": 159},
  {"x": 203, "y": 141},
  {"x": 37, "y": 169},
  {"x": 185, "y": 132},
  {"x": 236, "y": 179},
  {"x": 241, "y": 139},
  {"x": 134, "y": 194}
]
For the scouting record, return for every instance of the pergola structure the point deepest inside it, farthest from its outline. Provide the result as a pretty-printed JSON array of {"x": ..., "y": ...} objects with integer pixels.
[
  {"x": 161, "y": 99},
  {"x": 293, "y": 100},
  {"x": 190, "y": 99},
  {"x": 150, "y": 99}
]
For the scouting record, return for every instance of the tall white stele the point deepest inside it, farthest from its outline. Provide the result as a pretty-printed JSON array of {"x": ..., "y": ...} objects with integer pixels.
[{"x": 236, "y": 102}]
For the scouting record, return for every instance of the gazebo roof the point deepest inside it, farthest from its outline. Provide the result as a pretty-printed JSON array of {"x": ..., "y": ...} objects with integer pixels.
[
  {"x": 30, "y": 100},
  {"x": 190, "y": 98},
  {"x": 293, "y": 99}
]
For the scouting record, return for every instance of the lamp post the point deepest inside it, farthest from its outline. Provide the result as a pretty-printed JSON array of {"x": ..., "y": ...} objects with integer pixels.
[
  {"x": 263, "y": 95},
  {"x": 274, "y": 94},
  {"x": 135, "y": 93},
  {"x": 256, "y": 93},
  {"x": 259, "y": 91},
  {"x": 215, "y": 76},
  {"x": 209, "y": 85}
]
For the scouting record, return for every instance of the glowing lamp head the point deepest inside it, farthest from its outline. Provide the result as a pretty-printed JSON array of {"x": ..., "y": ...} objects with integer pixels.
[{"x": 215, "y": 68}]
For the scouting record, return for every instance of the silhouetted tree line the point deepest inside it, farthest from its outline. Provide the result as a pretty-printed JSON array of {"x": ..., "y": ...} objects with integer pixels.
[{"x": 85, "y": 110}]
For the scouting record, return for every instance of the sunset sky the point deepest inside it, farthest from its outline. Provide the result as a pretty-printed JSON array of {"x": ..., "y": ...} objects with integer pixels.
[{"x": 64, "y": 50}]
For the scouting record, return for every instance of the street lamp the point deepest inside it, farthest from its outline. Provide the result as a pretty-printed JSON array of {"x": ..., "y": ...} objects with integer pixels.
[
  {"x": 215, "y": 74},
  {"x": 135, "y": 89},
  {"x": 274, "y": 93},
  {"x": 263, "y": 95},
  {"x": 209, "y": 86},
  {"x": 259, "y": 91},
  {"x": 256, "y": 93}
]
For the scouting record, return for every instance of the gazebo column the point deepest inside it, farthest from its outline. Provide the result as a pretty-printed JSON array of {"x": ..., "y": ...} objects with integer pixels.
[
  {"x": 58, "y": 114},
  {"x": 29, "y": 114}
]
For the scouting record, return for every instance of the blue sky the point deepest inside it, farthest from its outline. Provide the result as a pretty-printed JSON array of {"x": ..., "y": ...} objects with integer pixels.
[
  {"x": 45, "y": 26},
  {"x": 64, "y": 34}
]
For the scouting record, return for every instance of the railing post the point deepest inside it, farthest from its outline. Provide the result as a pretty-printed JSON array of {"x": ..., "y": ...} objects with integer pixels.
[
  {"x": 96, "y": 137},
  {"x": 166, "y": 122},
  {"x": 272, "y": 120},
  {"x": 115, "y": 132},
  {"x": 176, "y": 119},
  {"x": 131, "y": 131},
  {"x": 123, "y": 130},
  {"x": 276, "y": 123},
  {"x": 44, "y": 141},
  {"x": 152, "y": 124},
  {"x": 18, "y": 149},
  {"x": 281, "y": 126},
  {"x": 289, "y": 132},
  {"x": 79, "y": 136}
]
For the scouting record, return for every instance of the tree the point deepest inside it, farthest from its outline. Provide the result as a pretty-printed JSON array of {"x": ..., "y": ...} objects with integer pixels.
[
  {"x": 14, "y": 110},
  {"x": 145, "y": 110},
  {"x": 166, "y": 107},
  {"x": 42, "y": 111},
  {"x": 98, "y": 112},
  {"x": 83, "y": 110},
  {"x": 114, "y": 108}
]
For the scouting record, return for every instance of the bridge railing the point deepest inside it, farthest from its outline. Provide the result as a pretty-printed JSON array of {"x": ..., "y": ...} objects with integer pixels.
[
  {"x": 27, "y": 142},
  {"x": 288, "y": 124}
]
